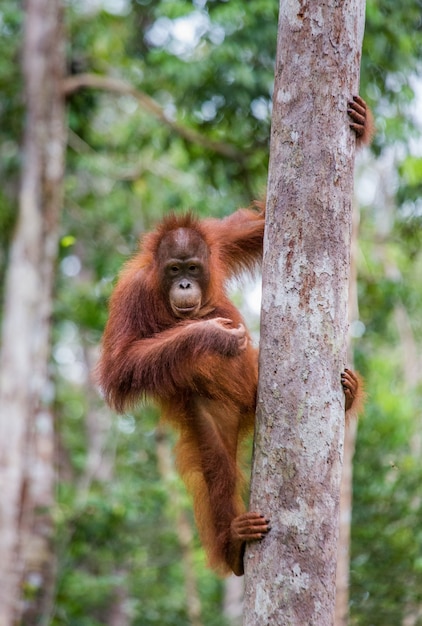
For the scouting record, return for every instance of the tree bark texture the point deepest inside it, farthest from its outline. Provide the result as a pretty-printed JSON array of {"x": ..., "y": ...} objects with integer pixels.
[
  {"x": 26, "y": 427},
  {"x": 290, "y": 575}
]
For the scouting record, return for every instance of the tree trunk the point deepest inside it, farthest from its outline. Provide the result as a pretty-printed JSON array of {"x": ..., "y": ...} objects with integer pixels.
[
  {"x": 233, "y": 600},
  {"x": 183, "y": 529},
  {"x": 26, "y": 427},
  {"x": 290, "y": 575},
  {"x": 346, "y": 489}
]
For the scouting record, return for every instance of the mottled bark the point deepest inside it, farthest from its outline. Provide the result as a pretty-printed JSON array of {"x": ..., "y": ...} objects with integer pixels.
[
  {"x": 26, "y": 428},
  {"x": 290, "y": 575}
]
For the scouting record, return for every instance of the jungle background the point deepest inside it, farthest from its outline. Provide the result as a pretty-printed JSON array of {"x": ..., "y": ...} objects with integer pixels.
[{"x": 196, "y": 136}]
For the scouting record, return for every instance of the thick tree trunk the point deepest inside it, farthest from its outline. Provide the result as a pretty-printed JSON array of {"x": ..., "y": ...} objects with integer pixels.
[
  {"x": 26, "y": 428},
  {"x": 290, "y": 575}
]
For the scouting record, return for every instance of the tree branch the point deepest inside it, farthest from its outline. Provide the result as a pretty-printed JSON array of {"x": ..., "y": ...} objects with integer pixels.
[{"x": 117, "y": 85}]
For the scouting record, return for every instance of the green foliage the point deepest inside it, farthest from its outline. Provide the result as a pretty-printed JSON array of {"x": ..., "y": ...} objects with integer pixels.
[
  {"x": 391, "y": 58},
  {"x": 117, "y": 538},
  {"x": 387, "y": 542},
  {"x": 386, "y": 577},
  {"x": 10, "y": 124}
]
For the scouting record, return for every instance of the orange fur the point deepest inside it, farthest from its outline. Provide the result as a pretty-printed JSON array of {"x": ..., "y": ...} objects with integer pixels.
[
  {"x": 202, "y": 373},
  {"x": 199, "y": 364},
  {"x": 358, "y": 398}
]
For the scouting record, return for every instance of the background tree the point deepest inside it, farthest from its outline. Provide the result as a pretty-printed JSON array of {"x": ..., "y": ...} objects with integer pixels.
[{"x": 26, "y": 427}]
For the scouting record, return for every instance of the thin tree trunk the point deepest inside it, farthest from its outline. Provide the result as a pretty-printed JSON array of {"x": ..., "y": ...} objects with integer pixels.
[
  {"x": 183, "y": 529},
  {"x": 234, "y": 587},
  {"x": 290, "y": 575},
  {"x": 346, "y": 502},
  {"x": 346, "y": 488},
  {"x": 26, "y": 428}
]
